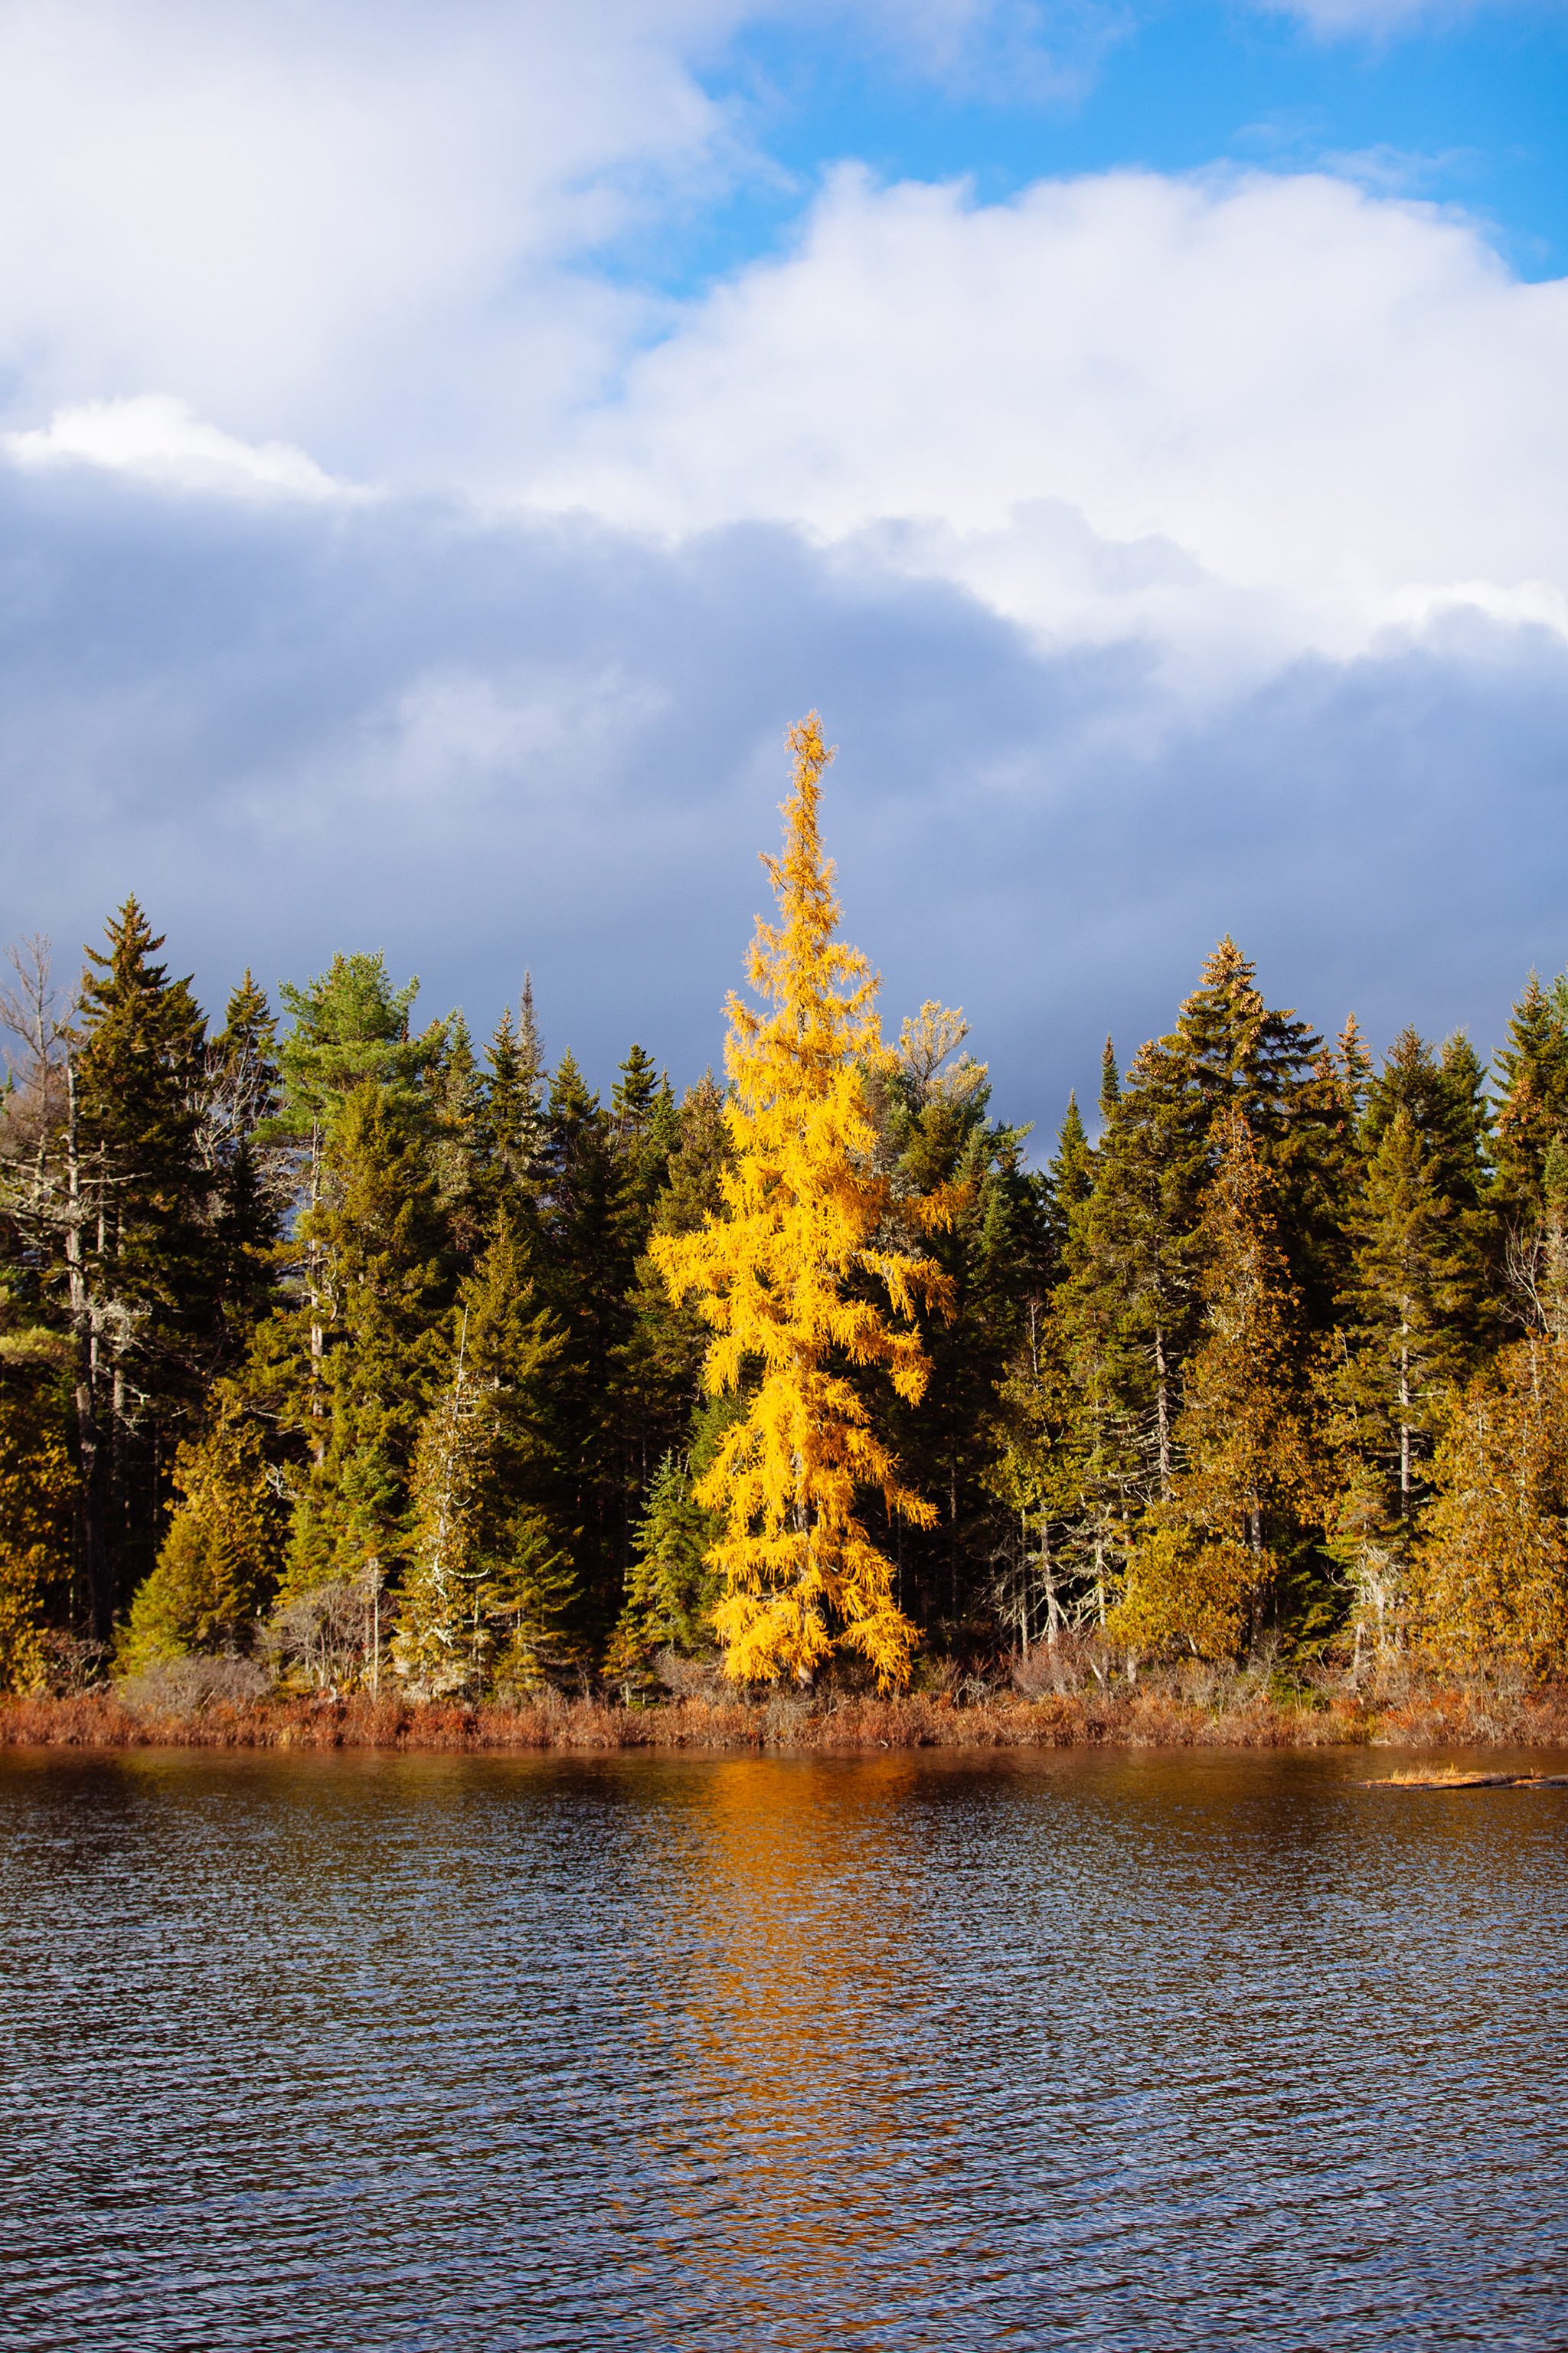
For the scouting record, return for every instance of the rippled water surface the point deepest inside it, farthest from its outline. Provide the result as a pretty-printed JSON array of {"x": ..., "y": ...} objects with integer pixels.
[{"x": 1150, "y": 2050}]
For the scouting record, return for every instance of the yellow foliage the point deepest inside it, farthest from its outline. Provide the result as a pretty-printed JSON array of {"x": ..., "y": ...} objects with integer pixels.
[
  {"x": 780, "y": 1276},
  {"x": 38, "y": 1494},
  {"x": 215, "y": 1568},
  {"x": 1182, "y": 1589},
  {"x": 1492, "y": 1574}
]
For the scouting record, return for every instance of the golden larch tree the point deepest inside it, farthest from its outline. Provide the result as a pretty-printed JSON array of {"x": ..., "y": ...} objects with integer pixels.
[{"x": 782, "y": 1274}]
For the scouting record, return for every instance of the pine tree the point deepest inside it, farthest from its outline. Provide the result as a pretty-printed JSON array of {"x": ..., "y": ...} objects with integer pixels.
[
  {"x": 776, "y": 1280},
  {"x": 1070, "y": 1180},
  {"x": 349, "y": 1029},
  {"x": 1206, "y": 1570},
  {"x": 1352, "y": 1067},
  {"x": 1109, "y": 1082},
  {"x": 442, "y": 1645},
  {"x": 1403, "y": 1302},
  {"x": 672, "y": 1587},
  {"x": 487, "y": 1592},
  {"x": 218, "y": 1564},
  {"x": 144, "y": 1297},
  {"x": 1531, "y": 1092},
  {"x": 515, "y": 1109},
  {"x": 1048, "y": 1443},
  {"x": 241, "y": 1094},
  {"x": 1384, "y": 1381},
  {"x": 1490, "y": 1578},
  {"x": 457, "y": 1091},
  {"x": 586, "y": 1263},
  {"x": 991, "y": 1246},
  {"x": 662, "y": 1357},
  {"x": 1131, "y": 1312},
  {"x": 350, "y": 1371}
]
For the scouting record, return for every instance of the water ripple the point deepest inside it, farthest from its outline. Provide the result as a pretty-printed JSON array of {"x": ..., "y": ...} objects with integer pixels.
[{"x": 1159, "y": 2050}]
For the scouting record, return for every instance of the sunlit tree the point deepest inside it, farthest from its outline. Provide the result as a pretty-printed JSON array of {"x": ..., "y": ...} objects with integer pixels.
[{"x": 787, "y": 1275}]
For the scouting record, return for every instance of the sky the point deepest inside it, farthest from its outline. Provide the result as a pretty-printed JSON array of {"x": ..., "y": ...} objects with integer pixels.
[{"x": 441, "y": 450}]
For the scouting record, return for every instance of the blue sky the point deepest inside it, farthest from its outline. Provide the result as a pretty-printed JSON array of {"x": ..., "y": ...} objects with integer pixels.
[
  {"x": 1465, "y": 108},
  {"x": 441, "y": 450}
]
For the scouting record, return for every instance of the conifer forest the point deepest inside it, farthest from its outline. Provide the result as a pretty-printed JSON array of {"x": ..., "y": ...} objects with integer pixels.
[{"x": 396, "y": 1359}]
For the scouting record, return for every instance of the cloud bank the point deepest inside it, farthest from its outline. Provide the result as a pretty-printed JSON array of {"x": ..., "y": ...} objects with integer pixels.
[
  {"x": 384, "y": 560},
  {"x": 293, "y": 727}
]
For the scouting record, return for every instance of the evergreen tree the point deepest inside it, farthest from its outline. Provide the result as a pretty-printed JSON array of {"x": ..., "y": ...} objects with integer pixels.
[
  {"x": 586, "y": 1263},
  {"x": 1109, "y": 1082},
  {"x": 350, "y": 1371},
  {"x": 1070, "y": 1180},
  {"x": 672, "y": 1589},
  {"x": 1132, "y": 1310},
  {"x": 349, "y": 1029},
  {"x": 1208, "y": 1568},
  {"x": 241, "y": 1095},
  {"x": 1352, "y": 1067},
  {"x": 515, "y": 1109},
  {"x": 460, "y": 1118},
  {"x": 218, "y": 1566},
  {"x": 1491, "y": 1576},
  {"x": 663, "y": 1356},
  {"x": 1531, "y": 1092},
  {"x": 990, "y": 1244},
  {"x": 145, "y": 1303},
  {"x": 1402, "y": 1301},
  {"x": 487, "y": 1592},
  {"x": 1384, "y": 1381}
]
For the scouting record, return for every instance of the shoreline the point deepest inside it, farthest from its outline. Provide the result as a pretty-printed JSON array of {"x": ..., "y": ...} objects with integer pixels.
[{"x": 1473, "y": 1714}]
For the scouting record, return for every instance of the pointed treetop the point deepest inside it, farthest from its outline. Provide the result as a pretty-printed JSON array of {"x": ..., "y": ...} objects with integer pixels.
[
  {"x": 1072, "y": 1168},
  {"x": 824, "y": 990},
  {"x": 529, "y": 1043},
  {"x": 126, "y": 979},
  {"x": 1110, "y": 1083},
  {"x": 636, "y": 1090},
  {"x": 1352, "y": 1062},
  {"x": 247, "y": 1020}
]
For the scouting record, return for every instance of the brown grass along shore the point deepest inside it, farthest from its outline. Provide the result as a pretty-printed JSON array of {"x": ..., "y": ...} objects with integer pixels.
[{"x": 197, "y": 1704}]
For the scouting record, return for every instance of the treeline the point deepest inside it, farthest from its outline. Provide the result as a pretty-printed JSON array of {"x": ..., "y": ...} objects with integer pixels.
[{"x": 345, "y": 1341}]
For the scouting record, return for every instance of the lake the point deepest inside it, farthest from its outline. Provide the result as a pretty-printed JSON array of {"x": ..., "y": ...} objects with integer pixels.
[{"x": 1147, "y": 2050}]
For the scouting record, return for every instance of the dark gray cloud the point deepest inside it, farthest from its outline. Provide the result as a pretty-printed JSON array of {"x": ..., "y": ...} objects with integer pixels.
[{"x": 292, "y": 729}]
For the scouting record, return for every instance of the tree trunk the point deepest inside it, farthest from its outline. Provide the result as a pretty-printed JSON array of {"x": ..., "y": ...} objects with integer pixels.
[
  {"x": 318, "y": 1403},
  {"x": 1163, "y": 1412},
  {"x": 99, "y": 1600},
  {"x": 1405, "y": 1423}
]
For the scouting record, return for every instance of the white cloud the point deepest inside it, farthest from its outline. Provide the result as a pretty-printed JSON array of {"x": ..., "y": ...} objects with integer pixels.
[
  {"x": 367, "y": 225},
  {"x": 161, "y": 439},
  {"x": 1234, "y": 418},
  {"x": 344, "y": 225},
  {"x": 1244, "y": 417}
]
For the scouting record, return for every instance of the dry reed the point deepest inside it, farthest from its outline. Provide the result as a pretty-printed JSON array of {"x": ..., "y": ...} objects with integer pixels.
[{"x": 1174, "y": 1709}]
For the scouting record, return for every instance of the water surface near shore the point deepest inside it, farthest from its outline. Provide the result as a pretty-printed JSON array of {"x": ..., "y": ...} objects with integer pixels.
[{"x": 1131, "y": 2050}]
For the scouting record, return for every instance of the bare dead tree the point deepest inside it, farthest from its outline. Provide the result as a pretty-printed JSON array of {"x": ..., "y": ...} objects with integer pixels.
[{"x": 36, "y": 1030}]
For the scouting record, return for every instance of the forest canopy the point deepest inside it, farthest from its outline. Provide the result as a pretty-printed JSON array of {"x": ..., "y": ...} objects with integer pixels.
[{"x": 390, "y": 1359}]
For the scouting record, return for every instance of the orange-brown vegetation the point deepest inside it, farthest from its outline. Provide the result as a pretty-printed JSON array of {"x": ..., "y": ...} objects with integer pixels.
[{"x": 1198, "y": 1707}]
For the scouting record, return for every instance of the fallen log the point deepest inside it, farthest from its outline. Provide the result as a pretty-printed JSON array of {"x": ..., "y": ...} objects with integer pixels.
[{"x": 1468, "y": 1781}]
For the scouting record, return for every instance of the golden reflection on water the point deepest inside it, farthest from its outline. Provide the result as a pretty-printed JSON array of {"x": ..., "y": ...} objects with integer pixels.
[{"x": 797, "y": 2061}]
